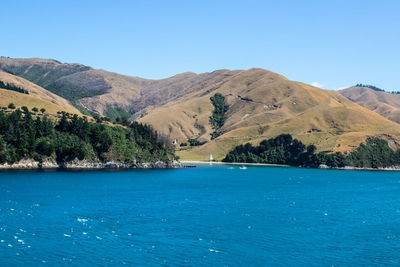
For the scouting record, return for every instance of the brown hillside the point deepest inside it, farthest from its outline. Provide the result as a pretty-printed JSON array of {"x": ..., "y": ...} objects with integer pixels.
[
  {"x": 37, "y": 97},
  {"x": 99, "y": 91},
  {"x": 263, "y": 104},
  {"x": 383, "y": 103}
]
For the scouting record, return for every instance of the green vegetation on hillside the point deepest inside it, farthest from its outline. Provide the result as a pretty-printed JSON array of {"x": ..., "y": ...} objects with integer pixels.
[
  {"x": 217, "y": 118},
  {"x": 374, "y": 153},
  {"x": 12, "y": 88},
  {"x": 82, "y": 110},
  {"x": 50, "y": 76},
  {"x": 73, "y": 92},
  {"x": 43, "y": 75},
  {"x": 23, "y": 136},
  {"x": 115, "y": 113},
  {"x": 195, "y": 142},
  {"x": 376, "y": 88},
  {"x": 370, "y": 87}
]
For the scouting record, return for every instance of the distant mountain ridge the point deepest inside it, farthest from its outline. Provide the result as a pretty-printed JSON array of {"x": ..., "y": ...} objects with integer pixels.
[
  {"x": 384, "y": 103},
  {"x": 107, "y": 93},
  {"x": 373, "y": 87}
]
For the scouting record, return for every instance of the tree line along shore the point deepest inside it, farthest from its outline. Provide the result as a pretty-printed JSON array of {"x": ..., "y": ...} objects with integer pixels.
[
  {"x": 373, "y": 154},
  {"x": 28, "y": 135}
]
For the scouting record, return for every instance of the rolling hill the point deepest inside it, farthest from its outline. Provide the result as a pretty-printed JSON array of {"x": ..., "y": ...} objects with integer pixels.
[
  {"x": 35, "y": 96},
  {"x": 107, "y": 93},
  {"x": 383, "y": 103},
  {"x": 261, "y": 104}
]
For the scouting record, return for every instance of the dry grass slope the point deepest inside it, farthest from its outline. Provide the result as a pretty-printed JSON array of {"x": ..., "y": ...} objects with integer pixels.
[
  {"x": 37, "y": 97},
  {"x": 383, "y": 103},
  {"x": 262, "y": 105}
]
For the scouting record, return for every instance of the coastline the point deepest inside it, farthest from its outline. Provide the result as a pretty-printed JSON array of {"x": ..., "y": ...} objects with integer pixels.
[
  {"x": 232, "y": 163},
  {"x": 30, "y": 164},
  {"x": 351, "y": 168},
  {"x": 321, "y": 167}
]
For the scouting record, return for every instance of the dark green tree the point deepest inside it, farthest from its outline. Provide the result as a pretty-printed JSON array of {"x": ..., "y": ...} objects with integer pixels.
[{"x": 217, "y": 118}]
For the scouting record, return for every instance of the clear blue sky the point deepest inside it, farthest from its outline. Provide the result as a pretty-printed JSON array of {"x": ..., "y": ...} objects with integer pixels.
[{"x": 335, "y": 43}]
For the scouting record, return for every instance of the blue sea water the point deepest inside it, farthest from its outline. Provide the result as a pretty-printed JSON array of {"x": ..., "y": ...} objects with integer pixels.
[{"x": 206, "y": 216}]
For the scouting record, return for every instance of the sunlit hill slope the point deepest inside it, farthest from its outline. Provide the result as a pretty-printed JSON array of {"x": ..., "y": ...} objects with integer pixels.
[
  {"x": 383, "y": 103},
  {"x": 34, "y": 96},
  {"x": 261, "y": 104},
  {"x": 264, "y": 104}
]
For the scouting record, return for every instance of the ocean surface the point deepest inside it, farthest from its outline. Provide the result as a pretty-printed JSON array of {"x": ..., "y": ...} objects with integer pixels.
[{"x": 205, "y": 216}]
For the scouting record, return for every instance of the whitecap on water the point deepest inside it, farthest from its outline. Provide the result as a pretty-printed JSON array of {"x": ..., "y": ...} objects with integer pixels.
[
  {"x": 214, "y": 250},
  {"x": 82, "y": 220},
  {"x": 67, "y": 235}
]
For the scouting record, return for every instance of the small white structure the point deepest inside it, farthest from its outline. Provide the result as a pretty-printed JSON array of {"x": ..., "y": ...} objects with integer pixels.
[
  {"x": 211, "y": 157},
  {"x": 175, "y": 142}
]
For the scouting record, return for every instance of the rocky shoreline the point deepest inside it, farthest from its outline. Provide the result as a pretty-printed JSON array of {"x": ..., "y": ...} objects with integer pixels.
[
  {"x": 391, "y": 168},
  {"x": 30, "y": 164}
]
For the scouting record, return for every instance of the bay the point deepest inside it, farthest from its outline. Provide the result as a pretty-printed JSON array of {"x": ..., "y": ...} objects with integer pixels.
[{"x": 205, "y": 216}]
